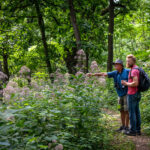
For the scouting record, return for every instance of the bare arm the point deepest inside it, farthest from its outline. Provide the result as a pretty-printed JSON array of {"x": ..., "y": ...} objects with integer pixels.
[
  {"x": 132, "y": 84},
  {"x": 98, "y": 74}
]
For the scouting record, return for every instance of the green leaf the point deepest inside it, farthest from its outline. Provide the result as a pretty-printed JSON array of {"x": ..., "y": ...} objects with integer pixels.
[
  {"x": 51, "y": 138},
  {"x": 6, "y": 143}
]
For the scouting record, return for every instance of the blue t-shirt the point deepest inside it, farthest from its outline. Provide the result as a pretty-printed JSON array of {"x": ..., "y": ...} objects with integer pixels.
[{"x": 121, "y": 89}]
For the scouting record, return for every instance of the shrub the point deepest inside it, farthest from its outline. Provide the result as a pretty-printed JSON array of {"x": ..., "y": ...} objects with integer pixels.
[{"x": 65, "y": 116}]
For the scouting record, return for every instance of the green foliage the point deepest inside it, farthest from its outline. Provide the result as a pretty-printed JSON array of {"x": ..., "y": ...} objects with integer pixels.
[
  {"x": 70, "y": 114},
  {"x": 21, "y": 40}
]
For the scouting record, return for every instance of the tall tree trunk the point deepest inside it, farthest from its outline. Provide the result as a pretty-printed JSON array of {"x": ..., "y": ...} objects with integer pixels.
[
  {"x": 110, "y": 36},
  {"x": 2, "y": 81},
  {"x": 1, "y": 88},
  {"x": 87, "y": 62},
  {"x": 5, "y": 63},
  {"x": 76, "y": 34},
  {"x": 42, "y": 29},
  {"x": 70, "y": 60},
  {"x": 0, "y": 66},
  {"x": 74, "y": 24}
]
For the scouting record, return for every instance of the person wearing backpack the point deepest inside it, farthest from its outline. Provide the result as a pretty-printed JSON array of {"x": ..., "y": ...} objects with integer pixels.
[
  {"x": 119, "y": 74},
  {"x": 138, "y": 82}
]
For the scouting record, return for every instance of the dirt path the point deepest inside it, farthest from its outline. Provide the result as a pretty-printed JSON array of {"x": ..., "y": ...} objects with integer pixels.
[{"x": 141, "y": 142}]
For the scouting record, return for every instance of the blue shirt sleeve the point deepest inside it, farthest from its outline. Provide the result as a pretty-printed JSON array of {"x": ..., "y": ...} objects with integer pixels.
[
  {"x": 128, "y": 70},
  {"x": 111, "y": 74}
]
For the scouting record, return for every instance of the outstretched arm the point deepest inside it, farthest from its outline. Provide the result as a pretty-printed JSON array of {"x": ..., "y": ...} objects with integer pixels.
[{"x": 97, "y": 74}]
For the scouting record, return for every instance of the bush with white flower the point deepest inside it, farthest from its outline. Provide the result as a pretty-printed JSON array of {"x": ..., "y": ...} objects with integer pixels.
[{"x": 65, "y": 114}]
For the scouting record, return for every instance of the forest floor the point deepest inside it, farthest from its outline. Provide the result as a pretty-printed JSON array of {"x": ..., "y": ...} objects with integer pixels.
[{"x": 128, "y": 142}]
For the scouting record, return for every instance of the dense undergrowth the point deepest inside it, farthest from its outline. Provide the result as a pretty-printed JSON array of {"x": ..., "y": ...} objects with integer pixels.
[{"x": 67, "y": 114}]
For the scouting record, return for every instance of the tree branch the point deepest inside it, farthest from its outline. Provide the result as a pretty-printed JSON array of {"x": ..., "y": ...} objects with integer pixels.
[
  {"x": 20, "y": 7},
  {"x": 120, "y": 12},
  {"x": 24, "y": 16},
  {"x": 5, "y": 30},
  {"x": 119, "y": 5},
  {"x": 105, "y": 11}
]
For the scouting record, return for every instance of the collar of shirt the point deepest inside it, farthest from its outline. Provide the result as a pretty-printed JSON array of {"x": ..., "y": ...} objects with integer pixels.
[
  {"x": 121, "y": 71},
  {"x": 134, "y": 66}
]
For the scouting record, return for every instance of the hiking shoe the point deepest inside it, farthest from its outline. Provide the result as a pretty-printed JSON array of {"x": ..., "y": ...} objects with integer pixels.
[
  {"x": 120, "y": 129},
  {"x": 138, "y": 133},
  {"x": 126, "y": 129},
  {"x": 129, "y": 133}
]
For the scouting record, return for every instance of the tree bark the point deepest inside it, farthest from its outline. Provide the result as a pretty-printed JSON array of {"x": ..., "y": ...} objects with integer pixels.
[
  {"x": 110, "y": 36},
  {"x": 70, "y": 60},
  {"x": 5, "y": 63},
  {"x": 42, "y": 30},
  {"x": 74, "y": 24},
  {"x": 2, "y": 81},
  {"x": 1, "y": 88},
  {"x": 87, "y": 62}
]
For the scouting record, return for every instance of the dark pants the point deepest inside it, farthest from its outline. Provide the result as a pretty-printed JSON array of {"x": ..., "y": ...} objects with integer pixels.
[{"x": 134, "y": 112}]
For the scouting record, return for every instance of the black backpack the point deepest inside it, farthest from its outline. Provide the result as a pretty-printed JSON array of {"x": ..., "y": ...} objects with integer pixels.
[{"x": 144, "y": 80}]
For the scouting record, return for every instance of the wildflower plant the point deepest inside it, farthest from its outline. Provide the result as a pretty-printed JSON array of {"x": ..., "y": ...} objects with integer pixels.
[
  {"x": 25, "y": 73},
  {"x": 81, "y": 61},
  {"x": 62, "y": 115}
]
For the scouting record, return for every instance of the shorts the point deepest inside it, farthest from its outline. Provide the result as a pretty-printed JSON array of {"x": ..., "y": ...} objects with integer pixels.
[{"x": 122, "y": 103}]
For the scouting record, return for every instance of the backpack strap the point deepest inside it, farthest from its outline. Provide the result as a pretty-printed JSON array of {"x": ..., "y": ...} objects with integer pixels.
[{"x": 132, "y": 69}]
